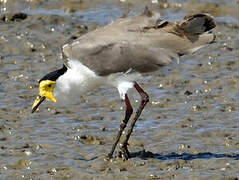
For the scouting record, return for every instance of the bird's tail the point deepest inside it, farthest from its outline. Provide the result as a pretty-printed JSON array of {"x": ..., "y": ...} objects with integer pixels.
[
  {"x": 197, "y": 29},
  {"x": 197, "y": 24}
]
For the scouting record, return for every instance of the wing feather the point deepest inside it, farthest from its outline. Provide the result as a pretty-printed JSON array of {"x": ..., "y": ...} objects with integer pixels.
[{"x": 143, "y": 43}]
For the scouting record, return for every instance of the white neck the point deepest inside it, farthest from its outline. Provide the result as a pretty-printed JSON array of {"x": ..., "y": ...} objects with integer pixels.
[{"x": 76, "y": 81}]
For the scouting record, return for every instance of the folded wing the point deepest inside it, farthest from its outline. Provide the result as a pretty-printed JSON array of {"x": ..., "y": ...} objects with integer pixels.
[{"x": 143, "y": 43}]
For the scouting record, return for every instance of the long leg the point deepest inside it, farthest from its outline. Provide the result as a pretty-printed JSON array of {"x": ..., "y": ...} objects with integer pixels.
[
  {"x": 128, "y": 113},
  {"x": 144, "y": 101}
]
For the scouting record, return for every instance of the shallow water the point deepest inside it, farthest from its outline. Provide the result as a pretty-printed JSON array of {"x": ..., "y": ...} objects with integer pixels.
[{"x": 189, "y": 129}]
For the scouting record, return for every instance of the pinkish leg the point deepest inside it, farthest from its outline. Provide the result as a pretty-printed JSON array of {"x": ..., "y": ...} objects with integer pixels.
[
  {"x": 144, "y": 100},
  {"x": 128, "y": 113}
]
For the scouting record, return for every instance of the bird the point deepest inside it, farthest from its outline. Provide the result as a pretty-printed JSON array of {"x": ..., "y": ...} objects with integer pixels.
[{"x": 120, "y": 53}]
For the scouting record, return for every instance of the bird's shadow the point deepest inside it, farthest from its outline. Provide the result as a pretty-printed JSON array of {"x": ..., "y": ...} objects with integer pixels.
[{"x": 184, "y": 156}]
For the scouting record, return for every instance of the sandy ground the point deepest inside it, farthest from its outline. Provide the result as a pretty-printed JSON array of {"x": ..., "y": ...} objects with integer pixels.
[{"x": 189, "y": 130}]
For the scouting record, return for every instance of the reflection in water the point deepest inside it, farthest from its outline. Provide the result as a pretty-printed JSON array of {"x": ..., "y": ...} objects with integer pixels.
[{"x": 184, "y": 156}]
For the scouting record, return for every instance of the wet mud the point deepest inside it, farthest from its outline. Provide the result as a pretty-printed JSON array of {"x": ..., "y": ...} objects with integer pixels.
[{"x": 189, "y": 130}]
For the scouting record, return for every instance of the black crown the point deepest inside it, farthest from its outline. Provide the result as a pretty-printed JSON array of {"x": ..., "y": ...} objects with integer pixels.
[{"x": 53, "y": 76}]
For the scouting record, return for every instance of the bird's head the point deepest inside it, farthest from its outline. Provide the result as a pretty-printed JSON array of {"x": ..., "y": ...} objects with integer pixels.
[{"x": 46, "y": 87}]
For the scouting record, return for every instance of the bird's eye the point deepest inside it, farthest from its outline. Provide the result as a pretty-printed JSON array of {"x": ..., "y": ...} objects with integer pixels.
[{"x": 49, "y": 85}]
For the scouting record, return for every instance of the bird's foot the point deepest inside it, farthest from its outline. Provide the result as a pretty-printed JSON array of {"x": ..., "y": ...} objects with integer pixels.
[
  {"x": 108, "y": 157},
  {"x": 124, "y": 152}
]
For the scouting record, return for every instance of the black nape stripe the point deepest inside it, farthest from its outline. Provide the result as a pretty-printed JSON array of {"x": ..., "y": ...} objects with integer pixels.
[{"x": 53, "y": 76}]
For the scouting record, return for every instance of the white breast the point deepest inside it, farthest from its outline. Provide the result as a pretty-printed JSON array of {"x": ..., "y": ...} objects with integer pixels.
[{"x": 79, "y": 79}]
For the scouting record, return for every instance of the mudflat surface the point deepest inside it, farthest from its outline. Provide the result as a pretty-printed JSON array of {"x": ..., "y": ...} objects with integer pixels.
[{"x": 189, "y": 130}]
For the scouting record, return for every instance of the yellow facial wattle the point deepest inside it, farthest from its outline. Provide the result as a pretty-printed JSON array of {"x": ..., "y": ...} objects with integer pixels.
[{"x": 46, "y": 89}]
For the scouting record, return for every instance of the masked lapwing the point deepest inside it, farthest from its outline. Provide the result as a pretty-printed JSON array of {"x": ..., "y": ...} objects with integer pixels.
[{"x": 118, "y": 54}]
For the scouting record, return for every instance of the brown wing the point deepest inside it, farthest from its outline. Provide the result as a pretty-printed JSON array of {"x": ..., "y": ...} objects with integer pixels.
[{"x": 143, "y": 43}]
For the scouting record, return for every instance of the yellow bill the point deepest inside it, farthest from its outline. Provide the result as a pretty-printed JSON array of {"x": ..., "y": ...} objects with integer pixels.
[{"x": 37, "y": 103}]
